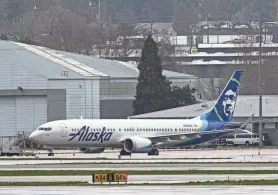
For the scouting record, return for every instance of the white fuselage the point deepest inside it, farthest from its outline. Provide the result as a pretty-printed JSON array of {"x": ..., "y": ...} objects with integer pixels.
[{"x": 108, "y": 132}]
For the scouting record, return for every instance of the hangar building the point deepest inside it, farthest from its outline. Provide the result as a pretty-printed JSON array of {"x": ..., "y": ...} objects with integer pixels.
[
  {"x": 246, "y": 106},
  {"x": 38, "y": 84}
]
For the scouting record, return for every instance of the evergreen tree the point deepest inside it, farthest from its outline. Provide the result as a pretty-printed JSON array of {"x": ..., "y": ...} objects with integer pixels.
[
  {"x": 182, "y": 96},
  {"x": 3, "y": 37},
  {"x": 153, "y": 91},
  {"x": 152, "y": 88}
]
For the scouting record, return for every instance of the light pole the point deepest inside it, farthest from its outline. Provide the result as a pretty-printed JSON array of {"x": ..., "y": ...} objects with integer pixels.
[{"x": 260, "y": 81}]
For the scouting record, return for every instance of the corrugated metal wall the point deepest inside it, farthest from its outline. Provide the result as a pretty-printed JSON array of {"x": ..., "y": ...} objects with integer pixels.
[
  {"x": 82, "y": 97},
  {"x": 21, "y": 113}
]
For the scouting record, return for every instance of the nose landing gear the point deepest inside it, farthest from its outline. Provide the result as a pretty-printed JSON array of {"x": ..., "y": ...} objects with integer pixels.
[{"x": 153, "y": 152}]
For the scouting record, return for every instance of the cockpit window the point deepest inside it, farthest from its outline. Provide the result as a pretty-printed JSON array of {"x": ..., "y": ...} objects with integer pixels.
[{"x": 45, "y": 128}]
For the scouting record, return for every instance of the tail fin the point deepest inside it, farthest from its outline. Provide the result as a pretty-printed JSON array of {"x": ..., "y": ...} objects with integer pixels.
[
  {"x": 244, "y": 125},
  {"x": 224, "y": 108}
]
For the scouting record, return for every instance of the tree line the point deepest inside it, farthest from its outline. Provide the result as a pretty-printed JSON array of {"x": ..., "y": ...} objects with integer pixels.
[
  {"x": 86, "y": 27},
  {"x": 61, "y": 28},
  {"x": 156, "y": 10}
]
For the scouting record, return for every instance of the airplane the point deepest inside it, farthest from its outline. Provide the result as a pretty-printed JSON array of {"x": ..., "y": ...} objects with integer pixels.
[{"x": 143, "y": 135}]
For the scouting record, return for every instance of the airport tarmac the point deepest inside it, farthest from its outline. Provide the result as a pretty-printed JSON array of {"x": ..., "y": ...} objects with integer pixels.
[
  {"x": 226, "y": 153},
  {"x": 182, "y": 156},
  {"x": 120, "y": 167},
  {"x": 154, "y": 190},
  {"x": 140, "y": 179},
  {"x": 134, "y": 161}
]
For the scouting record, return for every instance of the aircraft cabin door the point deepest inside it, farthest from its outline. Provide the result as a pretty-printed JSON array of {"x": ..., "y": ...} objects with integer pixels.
[
  {"x": 134, "y": 131},
  {"x": 63, "y": 130},
  {"x": 137, "y": 132}
]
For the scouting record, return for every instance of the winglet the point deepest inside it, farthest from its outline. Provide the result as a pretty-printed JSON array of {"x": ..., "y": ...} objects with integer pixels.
[{"x": 244, "y": 125}]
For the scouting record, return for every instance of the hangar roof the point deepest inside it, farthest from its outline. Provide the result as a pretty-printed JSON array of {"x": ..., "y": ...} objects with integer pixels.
[
  {"x": 246, "y": 106},
  {"x": 55, "y": 64}
]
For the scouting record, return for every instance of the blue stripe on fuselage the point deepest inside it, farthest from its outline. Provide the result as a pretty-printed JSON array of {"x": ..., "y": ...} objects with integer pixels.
[
  {"x": 212, "y": 125},
  {"x": 202, "y": 138}
]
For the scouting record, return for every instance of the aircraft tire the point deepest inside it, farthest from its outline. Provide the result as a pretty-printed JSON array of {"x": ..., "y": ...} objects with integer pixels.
[
  {"x": 153, "y": 152},
  {"x": 124, "y": 153},
  {"x": 156, "y": 152}
]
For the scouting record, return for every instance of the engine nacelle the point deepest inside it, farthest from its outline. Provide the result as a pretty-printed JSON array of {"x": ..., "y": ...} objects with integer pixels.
[
  {"x": 137, "y": 145},
  {"x": 91, "y": 150}
]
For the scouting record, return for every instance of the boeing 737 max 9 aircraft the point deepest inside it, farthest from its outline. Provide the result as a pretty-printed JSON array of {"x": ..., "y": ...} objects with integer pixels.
[{"x": 144, "y": 135}]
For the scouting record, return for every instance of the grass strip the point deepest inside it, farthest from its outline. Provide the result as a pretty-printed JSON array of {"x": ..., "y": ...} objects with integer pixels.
[
  {"x": 240, "y": 182},
  {"x": 68, "y": 183},
  {"x": 153, "y": 163},
  {"x": 113, "y": 159},
  {"x": 139, "y": 172}
]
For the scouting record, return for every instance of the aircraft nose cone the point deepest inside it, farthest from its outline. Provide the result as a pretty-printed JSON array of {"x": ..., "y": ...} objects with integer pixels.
[{"x": 33, "y": 136}]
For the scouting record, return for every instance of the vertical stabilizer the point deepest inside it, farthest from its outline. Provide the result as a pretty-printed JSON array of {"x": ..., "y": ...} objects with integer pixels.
[{"x": 224, "y": 108}]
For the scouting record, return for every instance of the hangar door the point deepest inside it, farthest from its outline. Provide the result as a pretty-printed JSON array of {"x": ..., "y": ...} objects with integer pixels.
[{"x": 21, "y": 113}]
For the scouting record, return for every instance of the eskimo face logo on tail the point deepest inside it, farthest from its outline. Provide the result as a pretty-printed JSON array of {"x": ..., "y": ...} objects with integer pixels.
[
  {"x": 85, "y": 135},
  {"x": 229, "y": 102}
]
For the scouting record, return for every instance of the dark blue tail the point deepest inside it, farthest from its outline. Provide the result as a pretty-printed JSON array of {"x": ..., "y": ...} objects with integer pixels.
[{"x": 224, "y": 108}]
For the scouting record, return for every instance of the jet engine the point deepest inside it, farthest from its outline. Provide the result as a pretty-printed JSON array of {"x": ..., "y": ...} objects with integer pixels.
[
  {"x": 137, "y": 145},
  {"x": 91, "y": 150}
]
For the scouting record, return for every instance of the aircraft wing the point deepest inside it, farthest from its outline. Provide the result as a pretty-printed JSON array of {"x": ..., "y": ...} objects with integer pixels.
[
  {"x": 190, "y": 135},
  {"x": 238, "y": 125},
  {"x": 233, "y": 126},
  {"x": 240, "y": 129}
]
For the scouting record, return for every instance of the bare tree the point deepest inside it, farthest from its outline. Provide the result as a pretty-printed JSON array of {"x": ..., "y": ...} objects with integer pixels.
[
  {"x": 215, "y": 81},
  {"x": 125, "y": 42},
  {"x": 208, "y": 86},
  {"x": 269, "y": 78},
  {"x": 114, "y": 40},
  {"x": 186, "y": 16},
  {"x": 56, "y": 28},
  {"x": 164, "y": 39},
  {"x": 4, "y": 26},
  {"x": 247, "y": 42}
]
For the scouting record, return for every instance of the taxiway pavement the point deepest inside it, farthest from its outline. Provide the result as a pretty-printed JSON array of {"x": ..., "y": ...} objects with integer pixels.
[
  {"x": 121, "y": 167},
  {"x": 135, "y": 190},
  {"x": 140, "y": 179}
]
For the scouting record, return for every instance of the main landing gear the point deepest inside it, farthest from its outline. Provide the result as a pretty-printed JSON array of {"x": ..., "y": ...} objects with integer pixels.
[
  {"x": 153, "y": 152},
  {"x": 50, "y": 152},
  {"x": 124, "y": 153}
]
